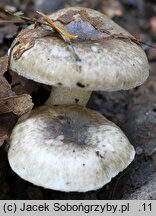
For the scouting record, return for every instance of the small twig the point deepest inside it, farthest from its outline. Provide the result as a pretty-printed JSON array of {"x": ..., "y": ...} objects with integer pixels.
[
  {"x": 137, "y": 41},
  {"x": 29, "y": 20},
  {"x": 11, "y": 21},
  {"x": 152, "y": 46},
  {"x": 56, "y": 27},
  {"x": 49, "y": 23}
]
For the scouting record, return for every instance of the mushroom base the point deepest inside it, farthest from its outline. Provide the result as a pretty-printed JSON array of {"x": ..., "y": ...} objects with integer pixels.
[{"x": 68, "y": 148}]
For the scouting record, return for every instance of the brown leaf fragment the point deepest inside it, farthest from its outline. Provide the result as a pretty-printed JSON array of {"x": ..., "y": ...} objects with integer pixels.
[
  {"x": 27, "y": 44},
  {"x": 125, "y": 37},
  {"x": 56, "y": 27},
  {"x": 11, "y": 105},
  {"x": 5, "y": 89},
  {"x": 26, "y": 40},
  {"x": 9, "y": 101},
  {"x": 96, "y": 22},
  {"x": 18, "y": 105},
  {"x": 24, "y": 43},
  {"x": 3, "y": 64},
  {"x": 67, "y": 17}
]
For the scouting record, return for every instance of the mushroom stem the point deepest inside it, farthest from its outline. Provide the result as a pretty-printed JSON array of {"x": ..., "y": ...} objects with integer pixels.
[{"x": 62, "y": 95}]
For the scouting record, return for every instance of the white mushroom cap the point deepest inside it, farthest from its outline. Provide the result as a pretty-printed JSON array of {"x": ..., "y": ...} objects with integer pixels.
[
  {"x": 94, "y": 61},
  {"x": 68, "y": 148}
]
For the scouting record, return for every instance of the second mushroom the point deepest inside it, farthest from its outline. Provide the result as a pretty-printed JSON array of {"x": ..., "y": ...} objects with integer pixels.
[{"x": 63, "y": 145}]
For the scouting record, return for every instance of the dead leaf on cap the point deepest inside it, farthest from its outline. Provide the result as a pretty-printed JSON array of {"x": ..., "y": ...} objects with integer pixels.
[
  {"x": 26, "y": 40},
  {"x": 98, "y": 24},
  {"x": 67, "y": 17}
]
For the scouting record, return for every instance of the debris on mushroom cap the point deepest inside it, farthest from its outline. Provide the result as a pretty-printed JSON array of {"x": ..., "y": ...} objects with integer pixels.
[
  {"x": 103, "y": 57},
  {"x": 68, "y": 148},
  {"x": 26, "y": 40}
]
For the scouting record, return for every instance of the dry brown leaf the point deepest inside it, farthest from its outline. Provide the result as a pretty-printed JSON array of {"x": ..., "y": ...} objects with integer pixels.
[
  {"x": 9, "y": 101},
  {"x": 11, "y": 105},
  {"x": 5, "y": 89},
  {"x": 98, "y": 24},
  {"x": 18, "y": 105}
]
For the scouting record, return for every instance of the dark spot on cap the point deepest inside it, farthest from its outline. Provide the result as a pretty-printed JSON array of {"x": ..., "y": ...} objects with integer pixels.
[
  {"x": 98, "y": 154},
  {"x": 76, "y": 100},
  {"x": 59, "y": 83},
  {"x": 80, "y": 85},
  {"x": 83, "y": 164},
  {"x": 73, "y": 150},
  {"x": 72, "y": 123}
]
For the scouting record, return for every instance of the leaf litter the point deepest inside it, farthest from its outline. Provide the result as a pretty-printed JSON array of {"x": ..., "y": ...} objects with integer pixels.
[{"x": 10, "y": 102}]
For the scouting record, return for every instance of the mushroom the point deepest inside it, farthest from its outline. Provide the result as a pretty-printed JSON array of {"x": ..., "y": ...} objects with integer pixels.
[
  {"x": 94, "y": 61},
  {"x": 68, "y": 148},
  {"x": 63, "y": 145}
]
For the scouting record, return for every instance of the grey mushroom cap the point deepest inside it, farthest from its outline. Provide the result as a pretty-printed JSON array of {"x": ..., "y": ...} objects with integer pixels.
[
  {"x": 68, "y": 148},
  {"x": 94, "y": 61}
]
